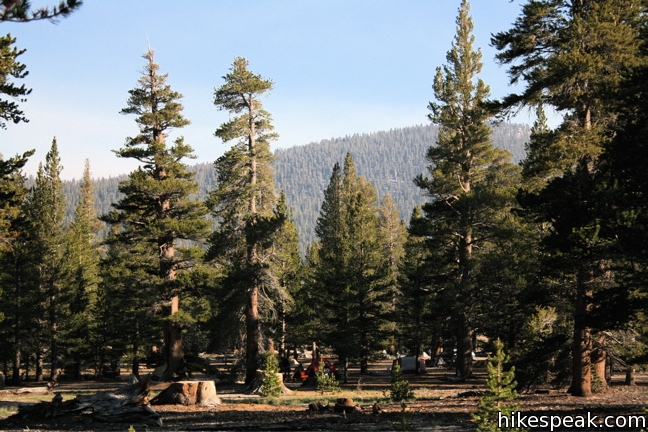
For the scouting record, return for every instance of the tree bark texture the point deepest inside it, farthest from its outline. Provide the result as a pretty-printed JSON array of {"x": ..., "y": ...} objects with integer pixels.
[
  {"x": 598, "y": 358},
  {"x": 253, "y": 334},
  {"x": 136, "y": 339},
  {"x": 464, "y": 346},
  {"x": 630, "y": 376},
  {"x": 582, "y": 343},
  {"x": 173, "y": 347},
  {"x": 39, "y": 364},
  {"x": 464, "y": 330},
  {"x": 188, "y": 393}
]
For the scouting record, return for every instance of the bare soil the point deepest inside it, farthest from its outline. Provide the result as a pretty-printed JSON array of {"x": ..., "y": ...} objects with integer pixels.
[{"x": 438, "y": 406}]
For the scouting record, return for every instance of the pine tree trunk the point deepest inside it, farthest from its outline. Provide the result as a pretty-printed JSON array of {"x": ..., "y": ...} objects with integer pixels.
[
  {"x": 582, "y": 343},
  {"x": 464, "y": 330},
  {"x": 464, "y": 346},
  {"x": 364, "y": 365},
  {"x": 173, "y": 349},
  {"x": 346, "y": 370},
  {"x": 253, "y": 334},
  {"x": 364, "y": 351},
  {"x": 630, "y": 376},
  {"x": 17, "y": 361},
  {"x": 39, "y": 364},
  {"x": 136, "y": 340},
  {"x": 53, "y": 342},
  {"x": 17, "y": 328},
  {"x": 581, "y": 373},
  {"x": 598, "y": 358},
  {"x": 282, "y": 339},
  {"x": 26, "y": 366}
]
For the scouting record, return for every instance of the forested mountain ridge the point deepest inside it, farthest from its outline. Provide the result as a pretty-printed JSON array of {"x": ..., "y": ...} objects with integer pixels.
[{"x": 388, "y": 159}]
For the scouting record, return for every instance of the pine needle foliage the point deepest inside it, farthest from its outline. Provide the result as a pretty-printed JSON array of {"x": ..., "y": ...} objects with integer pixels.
[
  {"x": 500, "y": 391},
  {"x": 399, "y": 389},
  {"x": 22, "y": 10},
  {"x": 271, "y": 381},
  {"x": 10, "y": 67},
  {"x": 326, "y": 381}
]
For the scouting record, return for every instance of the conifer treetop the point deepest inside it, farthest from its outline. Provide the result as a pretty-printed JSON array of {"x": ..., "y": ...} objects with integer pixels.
[
  {"x": 464, "y": 147},
  {"x": 241, "y": 93},
  {"x": 21, "y": 10},
  {"x": 10, "y": 67},
  {"x": 158, "y": 111}
]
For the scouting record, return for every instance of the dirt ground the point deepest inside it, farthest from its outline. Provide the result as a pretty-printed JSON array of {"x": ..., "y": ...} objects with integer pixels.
[{"x": 438, "y": 407}]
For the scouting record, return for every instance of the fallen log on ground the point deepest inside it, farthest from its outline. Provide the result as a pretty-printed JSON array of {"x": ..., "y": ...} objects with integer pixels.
[
  {"x": 128, "y": 404},
  {"x": 32, "y": 390}
]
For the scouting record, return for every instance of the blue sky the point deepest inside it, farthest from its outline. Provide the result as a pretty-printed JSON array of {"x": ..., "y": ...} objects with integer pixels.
[{"x": 340, "y": 67}]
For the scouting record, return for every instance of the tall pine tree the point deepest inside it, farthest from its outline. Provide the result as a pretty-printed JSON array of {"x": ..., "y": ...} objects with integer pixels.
[
  {"x": 16, "y": 275},
  {"x": 413, "y": 304},
  {"x": 286, "y": 264},
  {"x": 351, "y": 277},
  {"x": 468, "y": 178},
  {"x": 47, "y": 244},
  {"x": 83, "y": 254},
  {"x": 574, "y": 57},
  {"x": 244, "y": 200},
  {"x": 157, "y": 208},
  {"x": 394, "y": 234}
]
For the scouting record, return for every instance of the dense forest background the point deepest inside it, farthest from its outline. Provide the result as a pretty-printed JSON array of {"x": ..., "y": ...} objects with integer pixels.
[{"x": 388, "y": 159}]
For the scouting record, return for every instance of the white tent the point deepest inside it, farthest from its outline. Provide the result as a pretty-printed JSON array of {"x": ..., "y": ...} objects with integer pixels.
[{"x": 408, "y": 364}]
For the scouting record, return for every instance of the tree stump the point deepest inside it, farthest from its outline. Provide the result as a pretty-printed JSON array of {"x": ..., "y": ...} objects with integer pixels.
[
  {"x": 344, "y": 405},
  {"x": 2, "y": 381},
  {"x": 188, "y": 393}
]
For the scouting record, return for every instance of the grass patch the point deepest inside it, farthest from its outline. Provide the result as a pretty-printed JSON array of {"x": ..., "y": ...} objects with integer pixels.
[
  {"x": 7, "y": 409},
  {"x": 360, "y": 397},
  {"x": 9, "y": 402}
]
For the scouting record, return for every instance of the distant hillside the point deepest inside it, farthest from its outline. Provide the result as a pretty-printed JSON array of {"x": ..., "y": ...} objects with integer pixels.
[{"x": 389, "y": 159}]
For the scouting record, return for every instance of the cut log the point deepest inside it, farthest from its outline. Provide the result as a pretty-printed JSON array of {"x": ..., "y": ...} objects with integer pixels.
[
  {"x": 128, "y": 404},
  {"x": 188, "y": 393}
]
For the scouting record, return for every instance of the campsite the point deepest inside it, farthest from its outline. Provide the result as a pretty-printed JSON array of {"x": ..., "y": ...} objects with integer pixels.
[{"x": 439, "y": 405}]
